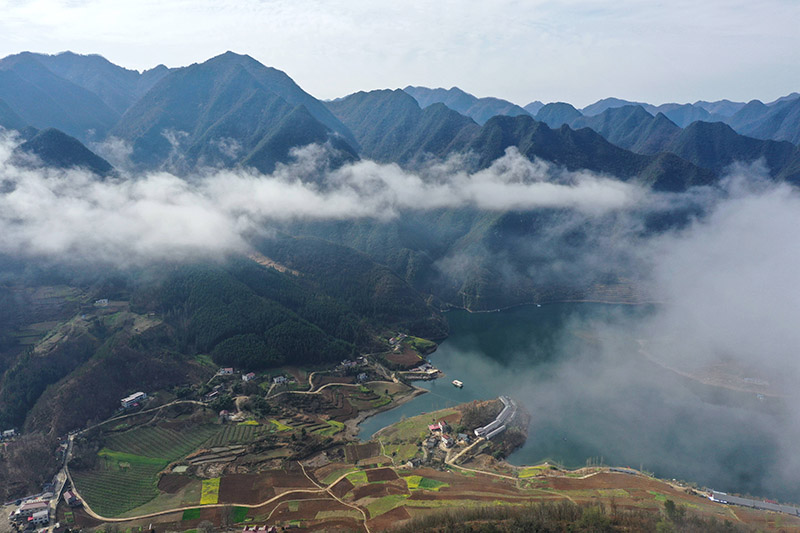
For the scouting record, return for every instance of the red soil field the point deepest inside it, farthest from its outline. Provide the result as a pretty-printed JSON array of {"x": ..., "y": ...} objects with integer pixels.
[
  {"x": 389, "y": 519},
  {"x": 324, "y": 380},
  {"x": 342, "y": 488},
  {"x": 172, "y": 483},
  {"x": 338, "y": 524},
  {"x": 381, "y": 474},
  {"x": 407, "y": 358},
  {"x": 377, "y": 491},
  {"x": 357, "y": 452},
  {"x": 244, "y": 488}
]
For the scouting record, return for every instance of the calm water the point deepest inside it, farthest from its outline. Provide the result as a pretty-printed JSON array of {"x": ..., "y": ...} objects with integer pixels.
[{"x": 577, "y": 370}]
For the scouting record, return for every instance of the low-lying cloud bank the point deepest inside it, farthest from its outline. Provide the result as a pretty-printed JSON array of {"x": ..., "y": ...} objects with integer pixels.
[
  {"x": 726, "y": 283},
  {"x": 158, "y": 215}
]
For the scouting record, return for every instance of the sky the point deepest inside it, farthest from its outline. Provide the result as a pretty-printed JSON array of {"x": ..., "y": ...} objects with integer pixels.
[{"x": 574, "y": 50}]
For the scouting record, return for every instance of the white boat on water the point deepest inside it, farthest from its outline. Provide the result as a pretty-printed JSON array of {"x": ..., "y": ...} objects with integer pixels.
[{"x": 458, "y": 383}]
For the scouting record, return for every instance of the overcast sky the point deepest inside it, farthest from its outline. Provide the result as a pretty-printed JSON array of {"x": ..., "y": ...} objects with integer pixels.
[{"x": 574, "y": 50}]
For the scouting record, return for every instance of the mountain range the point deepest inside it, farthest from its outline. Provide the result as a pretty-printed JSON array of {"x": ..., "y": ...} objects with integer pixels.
[{"x": 233, "y": 112}]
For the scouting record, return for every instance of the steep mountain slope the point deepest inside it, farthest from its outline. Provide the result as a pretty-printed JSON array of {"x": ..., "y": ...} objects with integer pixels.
[
  {"x": 710, "y": 145},
  {"x": 54, "y": 148},
  {"x": 118, "y": 87},
  {"x": 715, "y": 145},
  {"x": 9, "y": 119},
  {"x": 780, "y": 121},
  {"x": 479, "y": 109},
  {"x": 218, "y": 112},
  {"x": 682, "y": 114},
  {"x": 43, "y": 99},
  {"x": 630, "y": 127},
  {"x": 720, "y": 108},
  {"x": 584, "y": 149},
  {"x": 557, "y": 113},
  {"x": 608, "y": 103},
  {"x": 533, "y": 107},
  {"x": 391, "y": 127}
]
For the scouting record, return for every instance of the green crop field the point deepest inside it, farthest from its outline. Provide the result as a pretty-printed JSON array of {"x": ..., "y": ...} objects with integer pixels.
[
  {"x": 127, "y": 472},
  {"x": 419, "y": 482},
  {"x": 239, "y": 514},
  {"x": 111, "y": 490},
  {"x": 238, "y": 434},
  {"x": 159, "y": 442},
  {"x": 413, "y": 428},
  {"x": 332, "y": 428}
]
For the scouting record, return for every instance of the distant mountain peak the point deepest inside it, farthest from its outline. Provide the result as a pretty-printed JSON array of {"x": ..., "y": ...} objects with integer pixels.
[
  {"x": 479, "y": 109},
  {"x": 54, "y": 148}
]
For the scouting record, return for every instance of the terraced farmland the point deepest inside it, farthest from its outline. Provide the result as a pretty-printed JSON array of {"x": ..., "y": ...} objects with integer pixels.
[{"x": 238, "y": 434}]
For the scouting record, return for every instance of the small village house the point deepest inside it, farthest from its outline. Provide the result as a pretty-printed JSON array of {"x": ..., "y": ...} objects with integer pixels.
[{"x": 133, "y": 399}]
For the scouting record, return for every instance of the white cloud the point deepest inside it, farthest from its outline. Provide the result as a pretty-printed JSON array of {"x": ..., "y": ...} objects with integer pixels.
[{"x": 71, "y": 214}]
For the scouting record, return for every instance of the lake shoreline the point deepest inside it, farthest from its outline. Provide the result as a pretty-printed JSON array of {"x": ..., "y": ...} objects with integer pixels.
[{"x": 549, "y": 302}]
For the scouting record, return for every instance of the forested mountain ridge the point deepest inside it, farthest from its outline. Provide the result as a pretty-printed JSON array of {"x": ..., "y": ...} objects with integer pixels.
[{"x": 478, "y": 109}]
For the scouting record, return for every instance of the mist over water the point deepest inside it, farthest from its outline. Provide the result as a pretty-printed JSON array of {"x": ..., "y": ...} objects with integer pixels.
[{"x": 579, "y": 371}]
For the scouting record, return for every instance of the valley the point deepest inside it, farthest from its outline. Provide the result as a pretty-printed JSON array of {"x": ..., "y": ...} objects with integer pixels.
[{"x": 228, "y": 304}]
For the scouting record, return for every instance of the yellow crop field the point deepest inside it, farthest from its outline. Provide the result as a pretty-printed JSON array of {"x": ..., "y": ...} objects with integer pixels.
[{"x": 210, "y": 492}]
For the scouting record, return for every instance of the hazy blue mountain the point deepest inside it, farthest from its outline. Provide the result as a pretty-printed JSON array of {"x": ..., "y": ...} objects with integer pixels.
[
  {"x": 710, "y": 145},
  {"x": 298, "y": 128},
  {"x": 557, "y": 113},
  {"x": 790, "y": 96},
  {"x": 751, "y": 113},
  {"x": 43, "y": 99},
  {"x": 55, "y": 148},
  {"x": 779, "y": 121},
  {"x": 118, "y": 87},
  {"x": 720, "y": 108},
  {"x": 584, "y": 149},
  {"x": 682, "y": 114},
  {"x": 9, "y": 119},
  {"x": 631, "y": 127},
  {"x": 479, "y": 109},
  {"x": 218, "y": 112},
  {"x": 391, "y": 127},
  {"x": 715, "y": 145},
  {"x": 533, "y": 107},
  {"x": 608, "y": 103}
]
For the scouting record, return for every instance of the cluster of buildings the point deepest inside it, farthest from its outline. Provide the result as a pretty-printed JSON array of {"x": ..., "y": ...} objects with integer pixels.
[
  {"x": 280, "y": 380},
  {"x": 229, "y": 371},
  {"x": 426, "y": 371},
  {"x": 498, "y": 425},
  {"x": 349, "y": 364},
  {"x": 35, "y": 512},
  {"x": 8, "y": 434},
  {"x": 441, "y": 435},
  {"x": 397, "y": 340}
]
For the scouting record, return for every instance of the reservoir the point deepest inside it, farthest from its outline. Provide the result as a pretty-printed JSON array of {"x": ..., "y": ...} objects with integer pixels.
[{"x": 593, "y": 396}]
